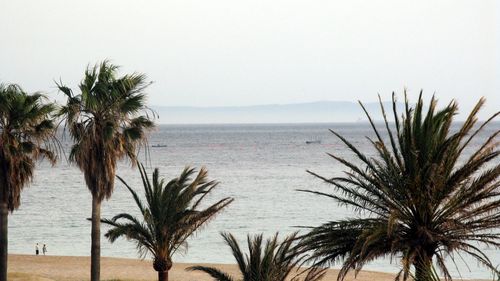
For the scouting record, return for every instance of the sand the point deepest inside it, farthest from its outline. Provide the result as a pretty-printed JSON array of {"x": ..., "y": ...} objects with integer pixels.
[{"x": 62, "y": 268}]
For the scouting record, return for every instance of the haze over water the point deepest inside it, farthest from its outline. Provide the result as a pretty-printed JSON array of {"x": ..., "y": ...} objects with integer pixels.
[{"x": 261, "y": 166}]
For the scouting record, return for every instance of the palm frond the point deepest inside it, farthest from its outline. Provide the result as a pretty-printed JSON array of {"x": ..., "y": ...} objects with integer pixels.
[{"x": 213, "y": 272}]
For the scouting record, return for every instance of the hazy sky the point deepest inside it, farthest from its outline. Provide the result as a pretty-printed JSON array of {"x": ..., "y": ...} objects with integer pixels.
[{"x": 233, "y": 52}]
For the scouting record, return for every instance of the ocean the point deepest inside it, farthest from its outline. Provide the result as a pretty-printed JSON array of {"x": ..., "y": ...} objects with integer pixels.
[{"x": 260, "y": 166}]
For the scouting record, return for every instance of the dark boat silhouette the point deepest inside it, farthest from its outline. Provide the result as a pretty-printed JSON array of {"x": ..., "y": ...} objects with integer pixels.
[{"x": 159, "y": 145}]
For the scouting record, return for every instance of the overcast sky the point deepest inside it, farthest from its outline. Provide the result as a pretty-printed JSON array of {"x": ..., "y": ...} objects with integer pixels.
[{"x": 233, "y": 52}]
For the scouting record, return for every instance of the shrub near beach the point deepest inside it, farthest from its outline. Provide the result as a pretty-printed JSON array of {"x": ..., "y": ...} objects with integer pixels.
[{"x": 273, "y": 260}]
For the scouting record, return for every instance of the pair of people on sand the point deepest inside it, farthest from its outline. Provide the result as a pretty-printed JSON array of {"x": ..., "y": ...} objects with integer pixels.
[{"x": 37, "y": 250}]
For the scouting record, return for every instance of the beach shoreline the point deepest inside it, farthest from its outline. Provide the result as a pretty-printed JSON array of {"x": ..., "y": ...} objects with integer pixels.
[{"x": 72, "y": 268}]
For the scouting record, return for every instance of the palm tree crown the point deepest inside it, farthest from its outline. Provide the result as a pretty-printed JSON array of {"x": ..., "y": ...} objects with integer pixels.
[
  {"x": 171, "y": 213},
  {"x": 105, "y": 123},
  {"x": 272, "y": 261},
  {"x": 423, "y": 197},
  {"x": 26, "y": 134}
]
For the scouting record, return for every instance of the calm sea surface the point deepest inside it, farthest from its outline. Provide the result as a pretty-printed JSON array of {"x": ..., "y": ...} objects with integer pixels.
[{"x": 261, "y": 166}]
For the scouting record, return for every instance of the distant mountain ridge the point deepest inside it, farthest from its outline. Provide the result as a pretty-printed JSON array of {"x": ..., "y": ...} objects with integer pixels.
[{"x": 311, "y": 112}]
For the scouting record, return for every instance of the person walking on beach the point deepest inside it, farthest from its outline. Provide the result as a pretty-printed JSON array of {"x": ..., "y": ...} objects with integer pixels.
[
  {"x": 44, "y": 249},
  {"x": 37, "y": 251}
]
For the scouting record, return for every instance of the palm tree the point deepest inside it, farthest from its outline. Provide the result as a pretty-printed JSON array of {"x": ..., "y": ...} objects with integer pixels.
[
  {"x": 26, "y": 135},
  {"x": 272, "y": 261},
  {"x": 106, "y": 125},
  {"x": 171, "y": 214},
  {"x": 423, "y": 198}
]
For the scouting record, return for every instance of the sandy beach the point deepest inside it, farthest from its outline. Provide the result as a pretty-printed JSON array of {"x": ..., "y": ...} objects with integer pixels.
[{"x": 64, "y": 268}]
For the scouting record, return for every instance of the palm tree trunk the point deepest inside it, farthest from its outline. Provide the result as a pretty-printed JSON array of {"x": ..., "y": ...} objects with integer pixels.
[
  {"x": 4, "y": 213},
  {"x": 95, "y": 251},
  {"x": 163, "y": 275},
  {"x": 423, "y": 269}
]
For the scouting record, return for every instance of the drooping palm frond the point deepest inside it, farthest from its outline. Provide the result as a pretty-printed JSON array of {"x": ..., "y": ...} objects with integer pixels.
[
  {"x": 170, "y": 213},
  {"x": 269, "y": 261},
  {"x": 215, "y": 273},
  {"x": 27, "y": 134},
  {"x": 424, "y": 198}
]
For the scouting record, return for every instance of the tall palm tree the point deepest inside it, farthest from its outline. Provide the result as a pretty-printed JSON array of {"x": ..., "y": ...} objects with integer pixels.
[
  {"x": 107, "y": 122},
  {"x": 26, "y": 135},
  {"x": 427, "y": 193},
  {"x": 171, "y": 214},
  {"x": 272, "y": 261}
]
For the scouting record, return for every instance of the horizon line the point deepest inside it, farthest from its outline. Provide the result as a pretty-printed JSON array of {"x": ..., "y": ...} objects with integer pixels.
[{"x": 361, "y": 122}]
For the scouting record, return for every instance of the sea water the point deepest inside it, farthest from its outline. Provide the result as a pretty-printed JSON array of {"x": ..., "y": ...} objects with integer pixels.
[{"x": 260, "y": 166}]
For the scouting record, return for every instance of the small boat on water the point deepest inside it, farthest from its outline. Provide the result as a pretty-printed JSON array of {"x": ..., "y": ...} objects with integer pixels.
[
  {"x": 159, "y": 145},
  {"x": 313, "y": 141}
]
